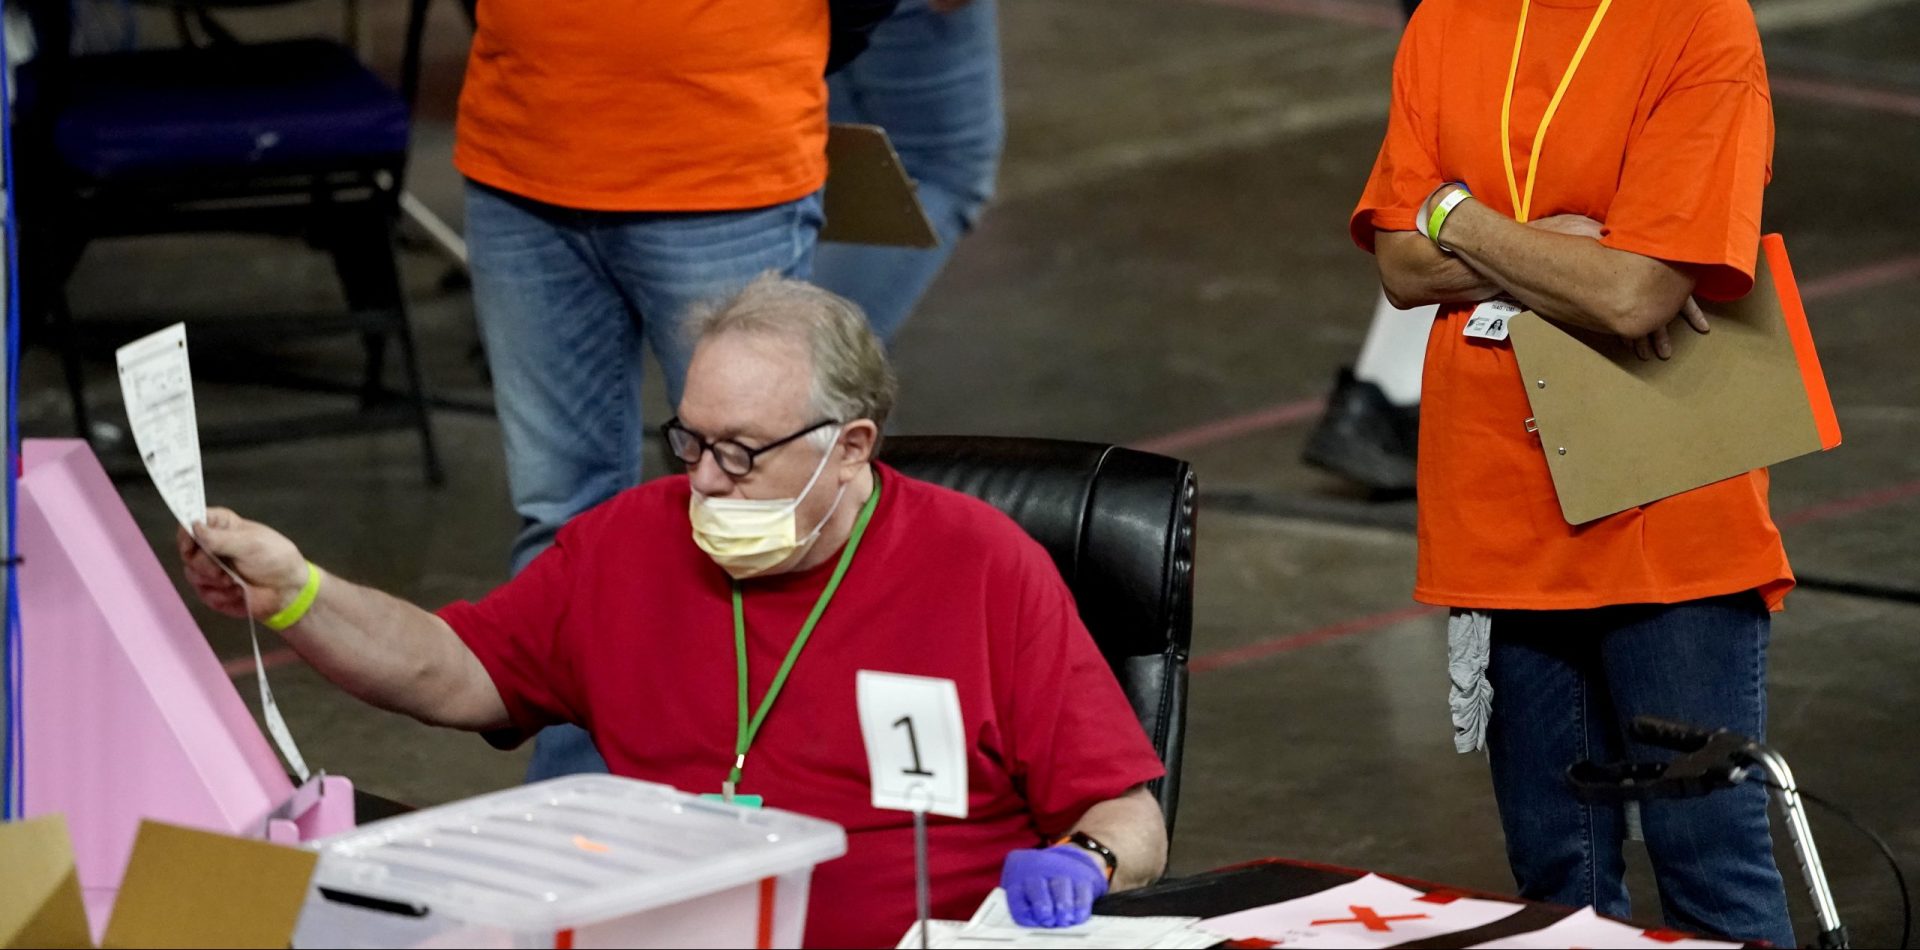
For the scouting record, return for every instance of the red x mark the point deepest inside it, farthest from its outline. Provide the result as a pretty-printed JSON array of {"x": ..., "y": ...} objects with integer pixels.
[{"x": 1367, "y": 916}]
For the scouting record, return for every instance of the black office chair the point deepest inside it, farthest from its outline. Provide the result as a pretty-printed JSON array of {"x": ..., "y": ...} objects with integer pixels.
[
  {"x": 293, "y": 137},
  {"x": 1119, "y": 524}
]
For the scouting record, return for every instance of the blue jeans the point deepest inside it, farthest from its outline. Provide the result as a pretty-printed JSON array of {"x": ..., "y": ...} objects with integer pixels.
[
  {"x": 932, "y": 81},
  {"x": 566, "y": 299},
  {"x": 1565, "y": 686}
]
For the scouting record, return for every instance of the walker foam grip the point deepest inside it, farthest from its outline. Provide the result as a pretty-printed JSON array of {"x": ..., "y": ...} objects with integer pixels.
[{"x": 1708, "y": 762}]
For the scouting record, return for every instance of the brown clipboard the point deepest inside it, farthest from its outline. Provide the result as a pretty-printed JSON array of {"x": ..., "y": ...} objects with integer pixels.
[
  {"x": 1619, "y": 432},
  {"x": 869, "y": 198}
]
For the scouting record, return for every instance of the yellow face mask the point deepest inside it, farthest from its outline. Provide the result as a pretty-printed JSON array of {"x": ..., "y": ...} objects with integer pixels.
[{"x": 749, "y": 537}]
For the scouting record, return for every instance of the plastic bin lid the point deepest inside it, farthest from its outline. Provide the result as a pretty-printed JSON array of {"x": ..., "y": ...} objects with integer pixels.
[{"x": 569, "y": 852}]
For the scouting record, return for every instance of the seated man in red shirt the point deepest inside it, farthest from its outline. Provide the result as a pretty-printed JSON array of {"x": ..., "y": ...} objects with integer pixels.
[{"x": 629, "y": 626}]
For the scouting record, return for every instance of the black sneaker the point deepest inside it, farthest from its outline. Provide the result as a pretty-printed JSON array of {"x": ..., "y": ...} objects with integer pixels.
[{"x": 1365, "y": 438}]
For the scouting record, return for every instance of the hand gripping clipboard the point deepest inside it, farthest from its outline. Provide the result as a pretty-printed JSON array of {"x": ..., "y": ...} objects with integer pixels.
[
  {"x": 869, "y": 198},
  {"x": 1619, "y": 432}
]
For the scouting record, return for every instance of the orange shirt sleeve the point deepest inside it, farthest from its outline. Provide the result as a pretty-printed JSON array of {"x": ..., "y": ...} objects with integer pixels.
[
  {"x": 1408, "y": 167},
  {"x": 1690, "y": 188}
]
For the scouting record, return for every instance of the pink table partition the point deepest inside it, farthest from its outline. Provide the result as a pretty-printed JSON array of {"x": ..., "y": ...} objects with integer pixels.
[{"x": 128, "y": 714}]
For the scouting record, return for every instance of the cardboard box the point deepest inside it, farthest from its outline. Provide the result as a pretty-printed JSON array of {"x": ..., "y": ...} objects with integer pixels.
[{"x": 182, "y": 888}]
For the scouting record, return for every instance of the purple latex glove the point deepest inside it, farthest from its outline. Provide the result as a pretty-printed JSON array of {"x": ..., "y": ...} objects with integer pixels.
[{"x": 1052, "y": 887}]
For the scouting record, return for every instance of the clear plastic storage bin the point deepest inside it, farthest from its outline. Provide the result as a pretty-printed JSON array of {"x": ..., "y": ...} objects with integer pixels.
[{"x": 581, "y": 861}]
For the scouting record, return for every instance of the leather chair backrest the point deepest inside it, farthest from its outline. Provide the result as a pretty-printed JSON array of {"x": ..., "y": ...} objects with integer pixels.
[{"x": 1119, "y": 524}]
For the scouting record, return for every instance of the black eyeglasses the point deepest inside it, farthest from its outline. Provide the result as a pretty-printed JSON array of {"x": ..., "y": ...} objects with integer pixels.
[{"x": 734, "y": 458}]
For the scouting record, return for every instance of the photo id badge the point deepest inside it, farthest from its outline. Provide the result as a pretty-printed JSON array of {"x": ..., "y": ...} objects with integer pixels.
[
  {"x": 916, "y": 742},
  {"x": 1489, "y": 320}
]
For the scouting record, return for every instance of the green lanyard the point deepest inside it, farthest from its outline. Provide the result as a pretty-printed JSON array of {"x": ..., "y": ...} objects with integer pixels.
[{"x": 750, "y": 729}]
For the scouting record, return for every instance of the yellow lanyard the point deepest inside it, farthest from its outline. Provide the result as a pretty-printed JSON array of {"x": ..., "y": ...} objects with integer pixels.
[{"x": 1523, "y": 204}]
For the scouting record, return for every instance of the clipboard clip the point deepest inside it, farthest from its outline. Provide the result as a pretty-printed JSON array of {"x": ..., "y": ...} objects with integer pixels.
[{"x": 1531, "y": 425}]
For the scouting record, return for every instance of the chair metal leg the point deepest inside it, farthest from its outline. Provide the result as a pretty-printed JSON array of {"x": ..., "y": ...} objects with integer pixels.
[
  {"x": 68, "y": 341},
  {"x": 365, "y": 260},
  {"x": 373, "y": 380},
  {"x": 417, "y": 395}
]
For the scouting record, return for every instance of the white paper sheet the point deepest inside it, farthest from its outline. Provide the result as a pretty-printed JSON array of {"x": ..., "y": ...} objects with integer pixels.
[
  {"x": 916, "y": 742},
  {"x": 1369, "y": 912},
  {"x": 992, "y": 926},
  {"x": 156, "y": 384},
  {"x": 1584, "y": 928}
]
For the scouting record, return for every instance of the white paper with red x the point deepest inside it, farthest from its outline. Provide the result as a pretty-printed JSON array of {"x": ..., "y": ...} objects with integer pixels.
[
  {"x": 1369, "y": 912},
  {"x": 1585, "y": 928}
]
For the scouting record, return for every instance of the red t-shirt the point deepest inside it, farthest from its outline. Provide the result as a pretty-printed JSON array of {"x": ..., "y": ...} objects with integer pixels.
[{"x": 626, "y": 628}]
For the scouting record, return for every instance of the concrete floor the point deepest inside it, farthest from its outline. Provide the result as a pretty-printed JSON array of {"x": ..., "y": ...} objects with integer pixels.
[{"x": 1167, "y": 267}]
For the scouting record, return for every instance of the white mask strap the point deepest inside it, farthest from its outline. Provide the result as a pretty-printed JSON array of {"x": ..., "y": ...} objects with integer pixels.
[{"x": 822, "y": 467}]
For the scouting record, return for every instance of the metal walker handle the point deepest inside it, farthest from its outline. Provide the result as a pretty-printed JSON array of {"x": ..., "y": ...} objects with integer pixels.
[{"x": 1709, "y": 760}]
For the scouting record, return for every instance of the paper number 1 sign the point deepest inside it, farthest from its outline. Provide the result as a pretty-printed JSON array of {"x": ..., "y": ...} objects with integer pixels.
[{"x": 916, "y": 742}]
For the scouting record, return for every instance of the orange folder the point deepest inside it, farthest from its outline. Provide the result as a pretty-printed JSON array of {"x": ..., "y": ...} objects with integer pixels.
[{"x": 1619, "y": 432}]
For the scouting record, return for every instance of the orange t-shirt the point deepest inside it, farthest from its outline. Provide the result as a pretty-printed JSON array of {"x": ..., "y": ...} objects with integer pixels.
[
  {"x": 1666, "y": 137},
  {"x": 654, "y": 105}
]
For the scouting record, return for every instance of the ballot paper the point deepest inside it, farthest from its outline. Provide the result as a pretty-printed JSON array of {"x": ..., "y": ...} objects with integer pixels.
[
  {"x": 157, "y": 387},
  {"x": 156, "y": 383},
  {"x": 1369, "y": 912},
  {"x": 1584, "y": 928},
  {"x": 992, "y": 926}
]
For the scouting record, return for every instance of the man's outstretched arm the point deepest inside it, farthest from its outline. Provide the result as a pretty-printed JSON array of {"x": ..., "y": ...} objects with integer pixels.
[{"x": 377, "y": 647}]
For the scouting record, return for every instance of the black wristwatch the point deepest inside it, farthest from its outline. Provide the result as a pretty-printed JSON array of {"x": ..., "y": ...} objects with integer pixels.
[{"x": 1092, "y": 845}]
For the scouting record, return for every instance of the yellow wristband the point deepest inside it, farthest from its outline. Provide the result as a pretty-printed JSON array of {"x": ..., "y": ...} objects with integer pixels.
[
  {"x": 1441, "y": 210},
  {"x": 291, "y": 614}
]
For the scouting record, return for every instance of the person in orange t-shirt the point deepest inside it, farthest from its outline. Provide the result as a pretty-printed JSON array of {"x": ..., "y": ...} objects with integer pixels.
[
  {"x": 1602, "y": 164},
  {"x": 625, "y": 162}
]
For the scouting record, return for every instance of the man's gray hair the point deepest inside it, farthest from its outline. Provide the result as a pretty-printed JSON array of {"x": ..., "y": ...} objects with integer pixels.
[{"x": 851, "y": 376}]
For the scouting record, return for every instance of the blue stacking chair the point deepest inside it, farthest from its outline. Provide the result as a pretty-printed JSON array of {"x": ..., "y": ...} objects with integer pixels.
[{"x": 293, "y": 137}]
